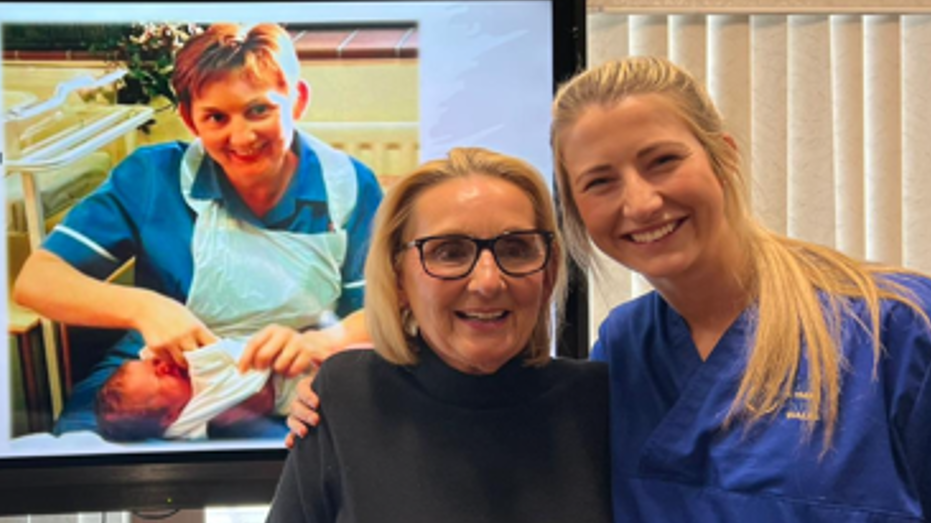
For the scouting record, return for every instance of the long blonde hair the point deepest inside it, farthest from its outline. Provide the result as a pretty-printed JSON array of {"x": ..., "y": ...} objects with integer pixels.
[
  {"x": 388, "y": 324},
  {"x": 800, "y": 291}
]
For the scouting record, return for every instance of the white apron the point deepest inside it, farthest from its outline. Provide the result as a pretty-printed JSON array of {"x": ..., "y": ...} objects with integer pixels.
[{"x": 246, "y": 277}]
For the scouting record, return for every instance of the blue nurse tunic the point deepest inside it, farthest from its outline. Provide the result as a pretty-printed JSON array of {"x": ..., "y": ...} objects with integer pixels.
[
  {"x": 140, "y": 212},
  {"x": 674, "y": 460}
]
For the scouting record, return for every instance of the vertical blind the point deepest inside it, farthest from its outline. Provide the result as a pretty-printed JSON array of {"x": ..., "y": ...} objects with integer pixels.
[{"x": 831, "y": 111}]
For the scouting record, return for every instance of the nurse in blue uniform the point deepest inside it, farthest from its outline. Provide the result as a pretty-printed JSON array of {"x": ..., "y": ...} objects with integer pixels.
[
  {"x": 765, "y": 379},
  {"x": 254, "y": 230}
]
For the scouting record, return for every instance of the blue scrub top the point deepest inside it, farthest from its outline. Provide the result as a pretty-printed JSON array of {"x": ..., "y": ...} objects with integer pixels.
[
  {"x": 673, "y": 459},
  {"x": 139, "y": 211}
]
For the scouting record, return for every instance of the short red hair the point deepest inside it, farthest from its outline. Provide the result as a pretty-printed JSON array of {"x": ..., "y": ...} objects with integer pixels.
[{"x": 262, "y": 52}]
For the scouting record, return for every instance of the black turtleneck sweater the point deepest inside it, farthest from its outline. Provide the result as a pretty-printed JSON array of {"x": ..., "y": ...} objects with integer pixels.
[{"x": 430, "y": 444}]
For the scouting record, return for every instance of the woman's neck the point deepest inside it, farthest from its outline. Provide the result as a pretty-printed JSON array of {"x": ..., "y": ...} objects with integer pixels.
[{"x": 711, "y": 298}]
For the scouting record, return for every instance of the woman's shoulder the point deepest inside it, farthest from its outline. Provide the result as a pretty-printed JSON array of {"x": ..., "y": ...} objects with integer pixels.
[
  {"x": 905, "y": 365},
  {"x": 343, "y": 372},
  {"x": 160, "y": 160},
  {"x": 635, "y": 315},
  {"x": 915, "y": 282},
  {"x": 350, "y": 362},
  {"x": 911, "y": 297},
  {"x": 161, "y": 152},
  {"x": 636, "y": 307},
  {"x": 914, "y": 289}
]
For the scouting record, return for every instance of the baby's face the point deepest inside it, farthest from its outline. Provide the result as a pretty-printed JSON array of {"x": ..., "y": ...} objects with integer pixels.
[{"x": 157, "y": 383}]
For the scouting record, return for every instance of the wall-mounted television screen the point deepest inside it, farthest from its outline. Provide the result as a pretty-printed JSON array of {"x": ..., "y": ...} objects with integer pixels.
[{"x": 85, "y": 93}]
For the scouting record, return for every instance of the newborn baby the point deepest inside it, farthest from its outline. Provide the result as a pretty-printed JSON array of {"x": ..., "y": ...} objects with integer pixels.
[{"x": 154, "y": 398}]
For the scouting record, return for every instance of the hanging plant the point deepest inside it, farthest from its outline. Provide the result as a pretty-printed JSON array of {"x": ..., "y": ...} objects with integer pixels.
[{"x": 147, "y": 52}]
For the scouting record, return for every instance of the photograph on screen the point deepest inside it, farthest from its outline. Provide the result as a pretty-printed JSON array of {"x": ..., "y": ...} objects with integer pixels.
[
  {"x": 127, "y": 181},
  {"x": 239, "y": 126}
]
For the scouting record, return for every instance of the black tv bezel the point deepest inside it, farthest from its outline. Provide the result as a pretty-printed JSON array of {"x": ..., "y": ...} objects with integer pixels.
[{"x": 197, "y": 479}]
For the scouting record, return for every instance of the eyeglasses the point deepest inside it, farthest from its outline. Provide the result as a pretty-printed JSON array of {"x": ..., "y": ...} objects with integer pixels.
[{"x": 453, "y": 256}]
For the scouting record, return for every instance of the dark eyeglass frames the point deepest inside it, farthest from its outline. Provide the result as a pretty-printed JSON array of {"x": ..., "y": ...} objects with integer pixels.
[{"x": 453, "y": 256}]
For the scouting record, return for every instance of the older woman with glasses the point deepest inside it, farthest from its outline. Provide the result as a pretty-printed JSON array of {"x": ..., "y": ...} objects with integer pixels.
[{"x": 459, "y": 414}]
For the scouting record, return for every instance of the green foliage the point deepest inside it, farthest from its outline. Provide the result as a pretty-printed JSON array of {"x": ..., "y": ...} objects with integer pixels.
[{"x": 147, "y": 53}]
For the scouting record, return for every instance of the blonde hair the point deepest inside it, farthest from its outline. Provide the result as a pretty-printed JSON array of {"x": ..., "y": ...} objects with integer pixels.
[
  {"x": 392, "y": 329},
  {"x": 788, "y": 279}
]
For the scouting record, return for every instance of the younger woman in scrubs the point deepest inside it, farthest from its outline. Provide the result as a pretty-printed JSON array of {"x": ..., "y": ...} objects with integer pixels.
[
  {"x": 254, "y": 229},
  {"x": 765, "y": 379}
]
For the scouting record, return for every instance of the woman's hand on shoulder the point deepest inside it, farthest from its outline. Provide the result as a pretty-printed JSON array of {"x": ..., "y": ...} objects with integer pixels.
[
  {"x": 302, "y": 413},
  {"x": 170, "y": 329}
]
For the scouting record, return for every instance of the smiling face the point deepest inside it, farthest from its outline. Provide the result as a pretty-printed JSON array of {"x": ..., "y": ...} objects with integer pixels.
[
  {"x": 646, "y": 191},
  {"x": 478, "y": 323},
  {"x": 247, "y": 127}
]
